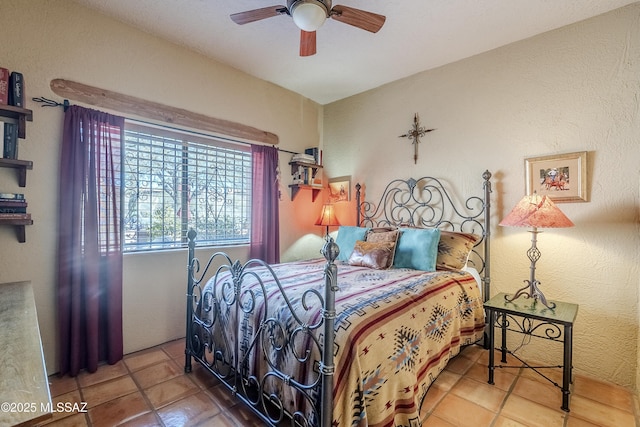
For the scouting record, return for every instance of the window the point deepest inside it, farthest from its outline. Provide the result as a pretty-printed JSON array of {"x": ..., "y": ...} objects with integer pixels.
[{"x": 177, "y": 180}]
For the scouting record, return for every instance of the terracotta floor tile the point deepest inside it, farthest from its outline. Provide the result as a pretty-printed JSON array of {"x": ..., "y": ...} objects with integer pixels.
[
  {"x": 104, "y": 373},
  {"x": 191, "y": 410},
  {"x": 434, "y": 421},
  {"x": 61, "y": 385},
  {"x": 155, "y": 374},
  {"x": 599, "y": 413},
  {"x": 462, "y": 412},
  {"x": 77, "y": 420},
  {"x": 503, "y": 421},
  {"x": 473, "y": 352},
  {"x": 119, "y": 410},
  {"x": 170, "y": 391},
  {"x": 555, "y": 374},
  {"x": 530, "y": 413},
  {"x": 446, "y": 380},
  {"x": 543, "y": 393},
  {"x": 606, "y": 393},
  {"x": 482, "y": 394},
  {"x": 577, "y": 422},
  {"x": 145, "y": 358},
  {"x": 150, "y": 419},
  {"x": 72, "y": 398},
  {"x": 175, "y": 349},
  {"x": 460, "y": 396},
  {"x": 105, "y": 391},
  {"x": 433, "y": 397},
  {"x": 502, "y": 378},
  {"x": 459, "y": 365},
  {"x": 243, "y": 416}
]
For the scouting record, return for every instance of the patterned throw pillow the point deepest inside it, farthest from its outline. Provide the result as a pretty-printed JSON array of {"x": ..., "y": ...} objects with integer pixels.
[
  {"x": 454, "y": 249},
  {"x": 378, "y": 255},
  {"x": 376, "y": 235}
]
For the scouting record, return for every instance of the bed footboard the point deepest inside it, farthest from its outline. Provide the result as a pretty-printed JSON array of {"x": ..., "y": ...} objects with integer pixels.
[{"x": 256, "y": 349}]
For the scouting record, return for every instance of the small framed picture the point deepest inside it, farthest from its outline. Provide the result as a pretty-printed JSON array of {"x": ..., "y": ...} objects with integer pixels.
[
  {"x": 562, "y": 177},
  {"x": 340, "y": 189}
]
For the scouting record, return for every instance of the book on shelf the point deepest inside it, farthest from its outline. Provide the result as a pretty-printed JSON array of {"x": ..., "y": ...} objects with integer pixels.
[
  {"x": 15, "y": 203},
  {"x": 10, "y": 149},
  {"x": 16, "y": 89},
  {"x": 316, "y": 153},
  {"x": 15, "y": 216},
  {"x": 11, "y": 196},
  {"x": 4, "y": 86},
  {"x": 10, "y": 209}
]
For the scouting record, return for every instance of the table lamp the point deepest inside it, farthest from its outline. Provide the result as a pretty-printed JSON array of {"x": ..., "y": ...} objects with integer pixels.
[
  {"x": 327, "y": 217},
  {"x": 536, "y": 212}
]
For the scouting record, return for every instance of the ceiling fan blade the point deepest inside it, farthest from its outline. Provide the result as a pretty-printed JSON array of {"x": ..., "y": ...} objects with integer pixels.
[
  {"x": 369, "y": 21},
  {"x": 307, "y": 43},
  {"x": 258, "y": 14}
]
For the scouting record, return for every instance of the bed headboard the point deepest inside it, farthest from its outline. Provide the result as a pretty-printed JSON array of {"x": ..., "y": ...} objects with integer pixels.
[{"x": 431, "y": 202}]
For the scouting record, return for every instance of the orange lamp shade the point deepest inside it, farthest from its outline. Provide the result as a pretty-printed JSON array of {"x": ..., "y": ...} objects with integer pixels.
[{"x": 538, "y": 212}]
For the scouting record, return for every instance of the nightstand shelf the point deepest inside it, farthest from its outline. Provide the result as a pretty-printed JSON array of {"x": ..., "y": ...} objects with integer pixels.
[{"x": 527, "y": 317}]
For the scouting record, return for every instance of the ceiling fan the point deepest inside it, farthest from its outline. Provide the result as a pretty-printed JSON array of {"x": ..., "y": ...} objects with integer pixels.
[{"x": 309, "y": 15}]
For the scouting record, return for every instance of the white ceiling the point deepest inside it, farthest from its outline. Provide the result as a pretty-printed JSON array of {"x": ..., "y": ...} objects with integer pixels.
[{"x": 418, "y": 35}]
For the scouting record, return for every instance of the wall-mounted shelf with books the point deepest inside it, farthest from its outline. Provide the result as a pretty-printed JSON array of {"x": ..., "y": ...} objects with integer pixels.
[
  {"x": 21, "y": 114},
  {"x": 13, "y": 209},
  {"x": 308, "y": 183}
]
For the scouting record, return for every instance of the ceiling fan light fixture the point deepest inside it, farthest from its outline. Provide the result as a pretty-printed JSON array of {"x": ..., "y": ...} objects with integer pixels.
[{"x": 308, "y": 15}]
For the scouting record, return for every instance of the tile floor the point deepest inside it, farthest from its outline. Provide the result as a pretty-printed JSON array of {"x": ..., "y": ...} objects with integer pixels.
[{"x": 150, "y": 388}]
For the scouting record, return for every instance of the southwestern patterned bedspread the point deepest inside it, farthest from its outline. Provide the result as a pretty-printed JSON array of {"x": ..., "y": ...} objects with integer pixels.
[{"x": 396, "y": 330}]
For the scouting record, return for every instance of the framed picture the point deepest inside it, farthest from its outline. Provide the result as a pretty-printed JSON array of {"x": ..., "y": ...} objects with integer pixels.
[
  {"x": 562, "y": 177},
  {"x": 340, "y": 189}
]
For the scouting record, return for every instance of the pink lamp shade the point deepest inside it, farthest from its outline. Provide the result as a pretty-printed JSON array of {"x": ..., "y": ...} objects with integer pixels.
[
  {"x": 538, "y": 212},
  {"x": 328, "y": 216}
]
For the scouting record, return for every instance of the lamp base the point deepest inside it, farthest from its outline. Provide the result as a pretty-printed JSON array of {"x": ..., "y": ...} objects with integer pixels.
[{"x": 531, "y": 290}]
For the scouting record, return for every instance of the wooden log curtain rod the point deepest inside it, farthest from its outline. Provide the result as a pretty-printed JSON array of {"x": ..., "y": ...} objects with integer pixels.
[{"x": 155, "y": 111}]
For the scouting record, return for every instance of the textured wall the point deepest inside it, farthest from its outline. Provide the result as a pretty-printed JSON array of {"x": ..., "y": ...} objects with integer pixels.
[
  {"x": 572, "y": 89},
  {"x": 46, "y": 40}
]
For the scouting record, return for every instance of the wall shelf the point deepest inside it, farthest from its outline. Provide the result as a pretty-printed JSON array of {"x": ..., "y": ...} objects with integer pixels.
[
  {"x": 22, "y": 115},
  {"x": 21, "y": 167},
  {"x": 295, "y": 188},
  {"x": 19, "y": 225}
]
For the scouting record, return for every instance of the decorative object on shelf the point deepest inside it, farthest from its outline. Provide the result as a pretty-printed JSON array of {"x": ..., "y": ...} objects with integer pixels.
[
  {"x": 562, "y": 177},
  {"x": 328, "y": 218},
  {"x": 415, "y": 133},
  {"x": 340, "y": 189},
  {"x": 535, "y": 211}
]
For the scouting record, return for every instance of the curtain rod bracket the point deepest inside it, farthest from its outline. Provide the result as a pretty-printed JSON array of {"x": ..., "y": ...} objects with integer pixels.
[{"x": 46, "y": 102}]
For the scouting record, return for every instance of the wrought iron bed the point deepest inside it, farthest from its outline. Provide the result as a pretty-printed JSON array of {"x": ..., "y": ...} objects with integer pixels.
[{"x": 222, "y": 339}]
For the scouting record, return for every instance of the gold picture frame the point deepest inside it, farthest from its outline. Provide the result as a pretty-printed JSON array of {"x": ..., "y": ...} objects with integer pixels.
[
  {"x": 561, "y": 177},
  {"x": 340, "y": 189}
]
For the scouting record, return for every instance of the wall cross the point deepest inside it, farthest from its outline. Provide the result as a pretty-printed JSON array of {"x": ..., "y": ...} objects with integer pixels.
[{"x": 415, "y": 133}]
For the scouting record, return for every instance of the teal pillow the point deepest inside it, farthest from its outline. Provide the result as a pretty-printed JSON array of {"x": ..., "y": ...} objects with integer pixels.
[
  {"x": 347, "y": 238},
  {"x": 417, "y": 248}
]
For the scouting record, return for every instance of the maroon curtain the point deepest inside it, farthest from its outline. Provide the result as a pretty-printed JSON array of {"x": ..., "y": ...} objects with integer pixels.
[
  {"x": 265, "y": 217},
  {"x": 89, "y": 287}
]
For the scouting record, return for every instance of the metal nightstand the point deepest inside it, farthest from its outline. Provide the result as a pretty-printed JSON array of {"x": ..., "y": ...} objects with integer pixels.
[{"x": 527, "y": 317}]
